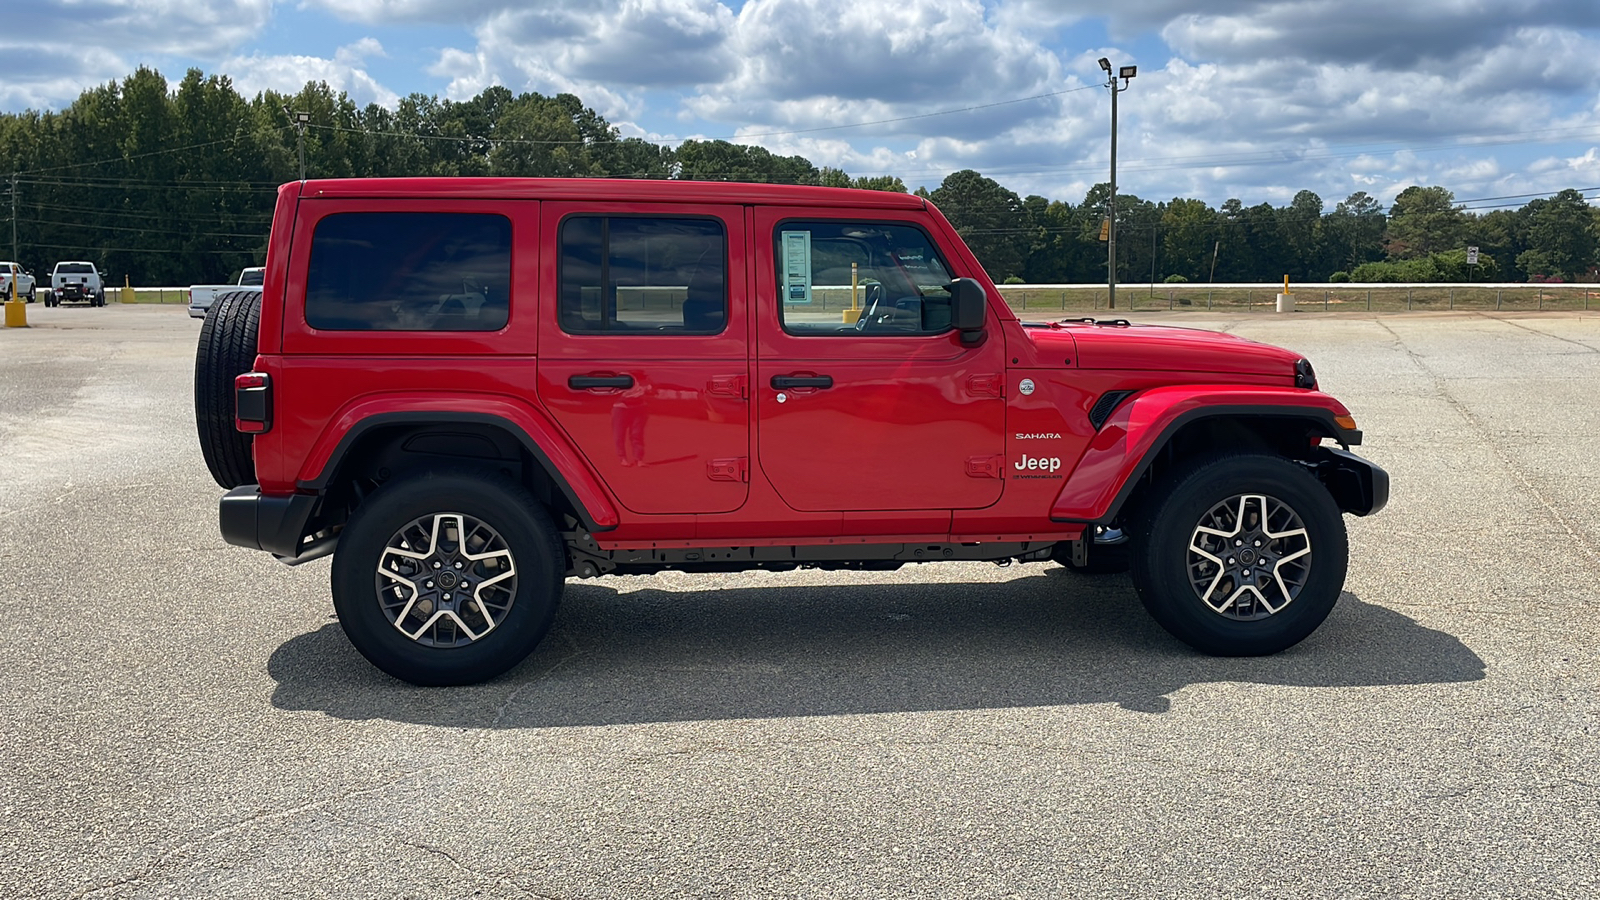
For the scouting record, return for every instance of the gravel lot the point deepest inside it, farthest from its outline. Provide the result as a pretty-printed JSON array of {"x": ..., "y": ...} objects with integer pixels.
[{"x": 185, "y": 719}]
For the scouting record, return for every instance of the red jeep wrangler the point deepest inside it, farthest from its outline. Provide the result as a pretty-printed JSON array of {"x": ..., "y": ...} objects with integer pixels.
[{"x": 473, "y": 389}]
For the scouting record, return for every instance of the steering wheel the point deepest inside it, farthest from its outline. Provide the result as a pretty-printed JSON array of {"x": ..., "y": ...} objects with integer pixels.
[{"x": 872, "y": 306}]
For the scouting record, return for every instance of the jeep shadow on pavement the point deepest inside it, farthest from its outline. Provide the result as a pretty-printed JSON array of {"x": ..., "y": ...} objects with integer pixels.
[
  {"x": 651, "y": 656},
  {"x": 471, "y": 390}
]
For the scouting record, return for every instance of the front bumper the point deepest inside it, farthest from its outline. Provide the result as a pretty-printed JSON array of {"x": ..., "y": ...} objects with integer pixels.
[
  {"x": 1358, "y": 485},
  {"x": 276, "y": 524}
]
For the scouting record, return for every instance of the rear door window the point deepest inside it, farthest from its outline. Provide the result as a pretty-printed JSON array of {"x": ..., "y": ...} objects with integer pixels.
[
  {"x": 643, "y": 275},
  {"x": 409, "y": 271}
]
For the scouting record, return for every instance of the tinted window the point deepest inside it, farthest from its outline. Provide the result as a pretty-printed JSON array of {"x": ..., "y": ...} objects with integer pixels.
[
  {"x": 74, "y": 268},
  {"x": 251, "y": 277},
  {"x": 890, "y": 274},
  {"x": 410, "y": 272},
  {"x": 635, "y": 275}
]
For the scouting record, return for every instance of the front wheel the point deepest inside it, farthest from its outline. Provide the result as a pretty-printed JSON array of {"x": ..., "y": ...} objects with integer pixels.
[
  {"x": 448, "y": 577},
  {"x": 1241, "y": 555}
]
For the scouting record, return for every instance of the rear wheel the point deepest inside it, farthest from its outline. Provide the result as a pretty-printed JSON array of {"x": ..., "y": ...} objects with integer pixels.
[
  {"x": 1241, "y": 555},
  {"x": 448, "y": 577},
  {"x": 227, "y": 349}
]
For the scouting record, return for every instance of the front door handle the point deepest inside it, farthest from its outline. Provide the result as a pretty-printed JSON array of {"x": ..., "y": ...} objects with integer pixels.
[
  {"x": 591, "y": 382},
  {"x": 785, "y": 382}
]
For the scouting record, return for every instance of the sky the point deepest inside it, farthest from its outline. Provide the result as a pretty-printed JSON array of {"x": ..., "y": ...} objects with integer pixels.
[{"x": 1254, "y": 99}]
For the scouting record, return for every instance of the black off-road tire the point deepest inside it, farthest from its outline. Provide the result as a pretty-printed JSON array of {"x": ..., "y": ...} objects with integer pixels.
[
  {"x": 1162, "y": 557},
  {"x": 227, "y": 349},
  {"x": 491, "y": 498}
]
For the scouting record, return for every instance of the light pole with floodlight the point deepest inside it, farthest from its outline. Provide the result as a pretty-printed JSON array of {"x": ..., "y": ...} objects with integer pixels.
[
  {"x": 1125, "y": 73},
  {"x": 299, "y": 119}
]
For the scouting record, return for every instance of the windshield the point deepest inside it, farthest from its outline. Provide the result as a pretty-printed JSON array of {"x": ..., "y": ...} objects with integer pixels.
[
  {"x": 251, "y": 276},
  {"x": 74, "y": 268}
]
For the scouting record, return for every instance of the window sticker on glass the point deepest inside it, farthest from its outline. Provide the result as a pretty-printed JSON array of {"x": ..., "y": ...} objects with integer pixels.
[{"x": 797, "y": 266}]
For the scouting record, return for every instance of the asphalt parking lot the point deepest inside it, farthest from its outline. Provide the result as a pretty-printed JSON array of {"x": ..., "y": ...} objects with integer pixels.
[{"x": 185, "y": 719}]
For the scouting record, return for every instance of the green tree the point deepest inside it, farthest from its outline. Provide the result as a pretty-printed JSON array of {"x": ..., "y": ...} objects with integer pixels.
[
  {"x": 1302, "y": 236},
  {"x": 1425, "y": 220},
  {"x": 1353, "y": 232},
  {"x": 988, "y": 217},
  {"x": 891, "y": 183},
  {"x": 1190, "y": 230},
  {"x": 1561, "y": 234}
]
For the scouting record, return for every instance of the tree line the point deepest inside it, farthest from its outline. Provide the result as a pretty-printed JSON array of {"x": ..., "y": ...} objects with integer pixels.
[{"x": 173, "y": 184}]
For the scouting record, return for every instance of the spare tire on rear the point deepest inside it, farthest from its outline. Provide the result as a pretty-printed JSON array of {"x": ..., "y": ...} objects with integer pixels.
[{"x": 227, "y": 349}]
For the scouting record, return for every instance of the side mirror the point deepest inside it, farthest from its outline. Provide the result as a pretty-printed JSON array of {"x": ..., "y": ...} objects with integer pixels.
[{"x": 969, "y": 309}]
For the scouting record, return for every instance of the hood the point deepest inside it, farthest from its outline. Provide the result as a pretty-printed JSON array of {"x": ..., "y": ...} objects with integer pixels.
[{"x": 1167, "y": 349}]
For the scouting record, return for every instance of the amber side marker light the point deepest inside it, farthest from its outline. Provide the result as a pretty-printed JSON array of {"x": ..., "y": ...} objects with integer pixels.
[{"x": 1348, "y": 423}]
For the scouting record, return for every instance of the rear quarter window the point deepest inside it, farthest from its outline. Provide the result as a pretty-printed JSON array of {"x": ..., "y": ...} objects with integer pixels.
[{"x": 409, "y": 271}]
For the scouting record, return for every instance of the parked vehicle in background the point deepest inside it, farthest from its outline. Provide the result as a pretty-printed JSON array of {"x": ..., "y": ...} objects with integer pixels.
[
  {"x": 202, "y": 296},
  {"x": 665, "y": 390},
  {"x": 25, "y": 282},
  {"x": 76, "y": 281}
]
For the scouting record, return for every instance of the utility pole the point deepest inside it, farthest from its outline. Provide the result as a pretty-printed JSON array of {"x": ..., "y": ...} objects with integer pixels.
[
  {"x": 299, "y": 119},
  {"x": 14, "y": 216},
  {"x": 1125, "y": 73}
]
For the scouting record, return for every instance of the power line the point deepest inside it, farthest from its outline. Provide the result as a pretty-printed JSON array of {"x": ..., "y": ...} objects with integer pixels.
[
  {"x": 946, "y": 112},
  {"x": 161, "y": 152},
  {"x": 262, "y": 216},
  {"x": 145, "y": 229},
  {"x": 82, "y": 248}
]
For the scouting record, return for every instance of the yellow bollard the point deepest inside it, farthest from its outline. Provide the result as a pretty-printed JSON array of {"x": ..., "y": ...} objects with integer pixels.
[
  {"x": 854, "y": 312},
  {"x": 16, "y": 310},
  {"x": 1286, "y": 299},
  {"x": 127, "y": 290}
]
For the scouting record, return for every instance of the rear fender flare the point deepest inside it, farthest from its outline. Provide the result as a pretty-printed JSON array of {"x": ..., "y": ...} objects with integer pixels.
[
  {"x": 1136, "y": 432},
  {"x": 537, "y": 434}
]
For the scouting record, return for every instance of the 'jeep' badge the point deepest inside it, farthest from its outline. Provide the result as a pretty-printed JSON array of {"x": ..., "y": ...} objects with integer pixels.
[{"x": 1026, "y": 387}]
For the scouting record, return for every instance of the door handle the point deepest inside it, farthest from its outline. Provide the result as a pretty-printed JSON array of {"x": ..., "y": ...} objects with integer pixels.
[
  {"x": 784, "y": 382},
  {"x": 590, "y": 382}
]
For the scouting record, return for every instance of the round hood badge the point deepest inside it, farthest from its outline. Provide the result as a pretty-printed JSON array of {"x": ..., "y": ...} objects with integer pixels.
[{"x": 1026, "y": 387}]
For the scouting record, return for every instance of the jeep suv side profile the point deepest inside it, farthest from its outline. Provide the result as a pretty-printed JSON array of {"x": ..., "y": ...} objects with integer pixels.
[{"x": 469, "y": 390}]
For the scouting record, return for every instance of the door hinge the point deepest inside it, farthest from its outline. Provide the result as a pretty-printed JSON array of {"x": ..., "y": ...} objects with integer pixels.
[
  {"x": 985, "y": 466},
  {"x": 729, "y": 386},
  {"x": 735, "y": 469},
  {"x": 985, "y": 386}
]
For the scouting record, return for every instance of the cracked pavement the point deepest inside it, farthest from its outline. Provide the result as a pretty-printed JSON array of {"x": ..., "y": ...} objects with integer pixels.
[{"x": 185, "y": 719}]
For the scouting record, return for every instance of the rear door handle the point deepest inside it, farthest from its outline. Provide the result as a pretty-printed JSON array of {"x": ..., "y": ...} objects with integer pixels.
[
  {"x": 783, "y": 382},
  {"x": 590, "y": 382}
]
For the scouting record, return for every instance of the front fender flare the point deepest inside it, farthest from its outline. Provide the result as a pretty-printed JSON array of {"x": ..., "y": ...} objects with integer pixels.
[
  {"x": 1138, "y": 429},
  {"x": 542, "y": 439}
]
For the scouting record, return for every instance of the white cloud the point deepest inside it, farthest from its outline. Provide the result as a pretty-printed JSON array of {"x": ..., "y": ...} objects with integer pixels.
[
  {"x": 51, "y": 51},
  {"x": 1248, "y": 98},
  {"x": 287, "y": 74},
  {"x": 606, "y": 52}
]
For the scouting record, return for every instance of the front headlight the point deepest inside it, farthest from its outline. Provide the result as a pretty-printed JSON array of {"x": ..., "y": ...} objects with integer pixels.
[{"x": 1304, "y": 375}]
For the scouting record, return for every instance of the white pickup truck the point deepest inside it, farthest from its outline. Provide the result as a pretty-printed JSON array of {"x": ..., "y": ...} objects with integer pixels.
[
  {"x": 25, "y": 283},
  {"x": 76, "y": 281},
  {"x": 201, "y": 296}
]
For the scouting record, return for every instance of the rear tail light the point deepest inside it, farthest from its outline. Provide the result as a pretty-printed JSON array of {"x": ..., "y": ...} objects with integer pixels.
[{"x": 252, "y": 403}]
